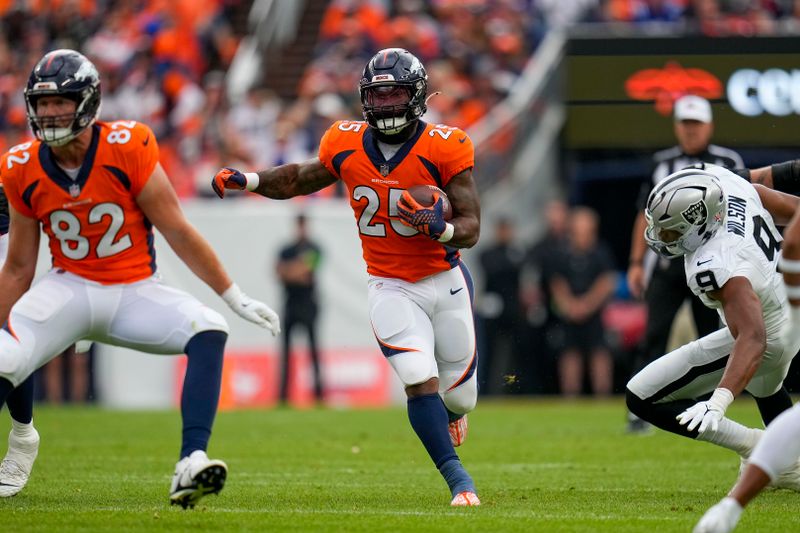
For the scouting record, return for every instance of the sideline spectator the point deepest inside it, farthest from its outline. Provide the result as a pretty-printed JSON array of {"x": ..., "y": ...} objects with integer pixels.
[{"x": 581, "y": 288}]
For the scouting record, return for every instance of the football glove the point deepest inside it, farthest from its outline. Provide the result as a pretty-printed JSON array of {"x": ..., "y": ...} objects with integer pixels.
[
  {"x": 427, "y": 220},
  {"x": 722, "y": 518},
  {"x": 228, "y": 178},
  {"x": 707, "y": 414},
  {"x": 252, "y": 310}
]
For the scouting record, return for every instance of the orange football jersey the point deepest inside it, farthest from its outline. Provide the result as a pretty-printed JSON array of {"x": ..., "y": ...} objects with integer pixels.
[
  {"x": 433, "y": 156},
  {"x": 95, "y": 226}
]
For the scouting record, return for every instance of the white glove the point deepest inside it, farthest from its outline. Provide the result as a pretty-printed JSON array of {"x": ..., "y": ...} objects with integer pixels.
[
  {"x": 790, "y": 334},
  {"x": 252, "y": 310},
  {"x": 707, "y": 414},
  {"x": 722, "y": 518}
]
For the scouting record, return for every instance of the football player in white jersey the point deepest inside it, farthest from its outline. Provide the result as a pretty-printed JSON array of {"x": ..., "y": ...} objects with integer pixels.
[
  {"x": 778, "y": 450},
  {"x": 725, "y": 229}
]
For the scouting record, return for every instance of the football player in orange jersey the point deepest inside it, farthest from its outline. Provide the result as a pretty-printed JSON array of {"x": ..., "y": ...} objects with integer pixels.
[
  {"x": 97, "y": 189},
  {"x": 420, "y": 293}
]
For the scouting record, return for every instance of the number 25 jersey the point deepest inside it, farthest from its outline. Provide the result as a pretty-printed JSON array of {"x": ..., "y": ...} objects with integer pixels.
[
  {"x": 433, "y": 155},
  {"x": 96, "y": 228}
]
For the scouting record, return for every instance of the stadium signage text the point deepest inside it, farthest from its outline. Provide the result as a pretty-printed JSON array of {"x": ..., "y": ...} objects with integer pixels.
[{"x": 774, "y": 91}]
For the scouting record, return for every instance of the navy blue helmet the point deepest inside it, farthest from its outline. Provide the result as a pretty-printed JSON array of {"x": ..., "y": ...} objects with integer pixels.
[
  {"x": 68, "y": 74},
  {"x": 397, "y": 71}
]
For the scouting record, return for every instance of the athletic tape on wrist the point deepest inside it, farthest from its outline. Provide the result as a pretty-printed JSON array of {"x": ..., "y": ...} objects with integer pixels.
[
  {"x": 252, "y": 181},
  {"x": 789, "y": 266},
  {"x": 793, "y": 292},
  {"x": 448, "y": 232}
]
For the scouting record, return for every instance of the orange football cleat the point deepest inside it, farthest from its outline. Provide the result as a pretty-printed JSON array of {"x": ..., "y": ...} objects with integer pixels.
[
  {"x": 465, "y": 499},
  {"x": 458, "y": 431}
]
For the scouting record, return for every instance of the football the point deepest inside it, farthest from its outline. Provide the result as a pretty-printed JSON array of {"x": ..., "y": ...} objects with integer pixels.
[{"x": 423, "y": 194}]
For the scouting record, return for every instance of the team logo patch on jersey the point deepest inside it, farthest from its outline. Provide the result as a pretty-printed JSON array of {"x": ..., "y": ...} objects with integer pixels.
[
  {"x": 74, "y": 190},
  {"x": 695, "y": 214},
  {"x": 384, "y": 170}
]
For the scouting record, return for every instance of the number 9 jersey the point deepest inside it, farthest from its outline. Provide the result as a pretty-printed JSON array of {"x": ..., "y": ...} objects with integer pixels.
[
  {"x": 96, "y": 228},
  {"x": 433, "y": 155},
  {"x": 747, "y": 245}
]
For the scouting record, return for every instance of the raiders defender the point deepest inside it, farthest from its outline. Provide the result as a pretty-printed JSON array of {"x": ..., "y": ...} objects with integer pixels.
[{"x": 723, "y": 226}]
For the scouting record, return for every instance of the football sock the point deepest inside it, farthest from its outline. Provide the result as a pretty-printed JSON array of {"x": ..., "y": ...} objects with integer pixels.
[
  {"x": 734, "y": 436},
  {"x": 661, "y": 415},
  {"x": 456, "y": 477},
  {"x": 201, "y": 388},
  {"x": 20, "y": 402},
  {"x": 428, "y": 417},
  {"x": 771, "y": 406},
  {"x": 5, "y": 389}
]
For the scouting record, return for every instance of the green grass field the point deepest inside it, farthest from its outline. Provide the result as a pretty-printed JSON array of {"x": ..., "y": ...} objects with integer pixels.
[{"x": 540, "y": 466}]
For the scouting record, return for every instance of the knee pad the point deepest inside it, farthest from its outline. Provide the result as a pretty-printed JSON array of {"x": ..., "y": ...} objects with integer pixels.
[
  {"x": 413, "y": 368},
  {"x": 463, "y": 398},
  {"x": 206, "y": 319},
  {"x": 13, "y": 359}
]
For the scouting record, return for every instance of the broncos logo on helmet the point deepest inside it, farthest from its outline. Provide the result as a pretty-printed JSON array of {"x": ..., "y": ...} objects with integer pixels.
[
  {"x": 68, "y": 74},
  {"x": 393, "y": 89}
]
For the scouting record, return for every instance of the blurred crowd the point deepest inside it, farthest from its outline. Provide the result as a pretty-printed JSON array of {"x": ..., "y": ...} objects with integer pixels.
[{"x": 164, "y": 62}]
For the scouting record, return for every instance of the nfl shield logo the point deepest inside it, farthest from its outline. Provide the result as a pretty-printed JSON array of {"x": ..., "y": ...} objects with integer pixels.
[
  {"x": 74, "y": 190},
  {"x": 384, "y": 170}
]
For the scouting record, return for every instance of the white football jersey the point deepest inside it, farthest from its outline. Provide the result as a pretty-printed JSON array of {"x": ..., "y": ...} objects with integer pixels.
[{"x": 748, "y": 245}]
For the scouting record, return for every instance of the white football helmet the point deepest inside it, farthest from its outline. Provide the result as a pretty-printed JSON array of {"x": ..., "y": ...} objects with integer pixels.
[{"x": 683, "y": 211}]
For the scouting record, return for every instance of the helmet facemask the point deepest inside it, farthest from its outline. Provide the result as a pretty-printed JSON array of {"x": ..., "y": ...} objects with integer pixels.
[{"x": 387, "y": 107}]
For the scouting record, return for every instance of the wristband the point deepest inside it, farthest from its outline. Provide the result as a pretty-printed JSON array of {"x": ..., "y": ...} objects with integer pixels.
[
  {"x": 448, "y": 232},
  {"x": 722, "y": 397},
  {"x": 252, "y": 181},
  {"x": 789, "y": 266},
  {"x": 786, "y": 176},
  {"x": 793, "y": 292}
]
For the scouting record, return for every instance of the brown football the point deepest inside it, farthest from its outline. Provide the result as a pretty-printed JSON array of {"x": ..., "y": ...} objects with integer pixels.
[{"x": 423, "y": 194}]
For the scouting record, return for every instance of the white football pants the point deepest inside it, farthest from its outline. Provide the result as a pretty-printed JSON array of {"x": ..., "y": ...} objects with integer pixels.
[
  {"x": 426, "y": 330},
  {"x": 696, "y": 368},
  {"x": 779, "y": 447},
  {"x": 62, "y": 308}
]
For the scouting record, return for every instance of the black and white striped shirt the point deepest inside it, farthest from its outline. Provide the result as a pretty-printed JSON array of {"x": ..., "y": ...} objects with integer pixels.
[{"x": 674, "y": 159}]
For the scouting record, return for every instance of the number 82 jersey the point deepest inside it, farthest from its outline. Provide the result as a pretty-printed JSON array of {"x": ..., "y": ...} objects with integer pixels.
[{"x": 96, "y": 228}]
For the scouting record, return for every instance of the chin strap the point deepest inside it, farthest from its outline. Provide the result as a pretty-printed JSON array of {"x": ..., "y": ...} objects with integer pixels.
[{"x": 431, "y": 96}]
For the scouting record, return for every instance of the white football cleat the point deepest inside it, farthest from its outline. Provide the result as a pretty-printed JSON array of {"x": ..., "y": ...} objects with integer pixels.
[
  {"x": 196, "y": 476},
  {"x": 15, "y": 469},
  {"x": 465, "y": 499},
  {"x": 458, "y": 431},
  {"x": 721, "y": 518}
]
